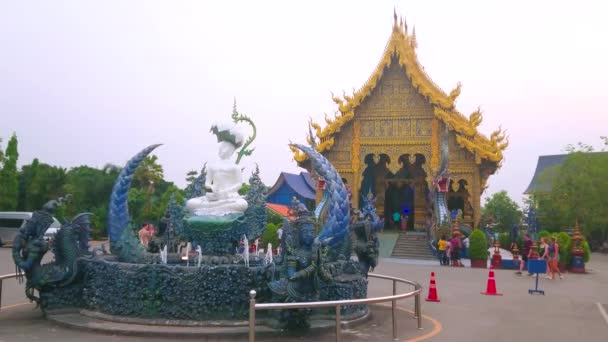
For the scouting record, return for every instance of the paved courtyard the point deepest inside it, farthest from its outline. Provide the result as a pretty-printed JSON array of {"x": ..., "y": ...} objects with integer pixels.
[{"x": 569, "y": 311}]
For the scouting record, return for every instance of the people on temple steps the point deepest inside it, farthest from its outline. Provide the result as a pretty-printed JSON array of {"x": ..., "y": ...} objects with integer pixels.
[{"x": 224, "y": 178}]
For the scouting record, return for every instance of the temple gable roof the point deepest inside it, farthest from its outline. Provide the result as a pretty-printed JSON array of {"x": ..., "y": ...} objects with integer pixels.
[
  {"x": 545, "y": 163},
  {"x": 401, "y": 48},
  {"x": 300, "y": 184}
]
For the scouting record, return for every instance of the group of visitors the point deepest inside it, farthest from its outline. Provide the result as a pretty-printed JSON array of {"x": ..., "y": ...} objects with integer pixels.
[
  {"x": 452, "y": 249},
  {"x": 548, "y": 251},
  {"x": 400, "y": 221}
]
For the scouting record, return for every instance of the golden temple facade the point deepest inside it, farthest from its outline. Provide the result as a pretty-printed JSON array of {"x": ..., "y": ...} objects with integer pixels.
[{"x": 397, "y": 119}]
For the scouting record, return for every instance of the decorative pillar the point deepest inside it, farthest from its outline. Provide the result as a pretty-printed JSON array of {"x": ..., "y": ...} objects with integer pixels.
[
  {"x": 578, "y": 253},
  {"x": 497, "y": 258},
  {"x": 355, "y": 163},
  {"x": 434, "y": 146},
  {"x": 515, "y": 252},
  {"x": 476, "y": 197}
]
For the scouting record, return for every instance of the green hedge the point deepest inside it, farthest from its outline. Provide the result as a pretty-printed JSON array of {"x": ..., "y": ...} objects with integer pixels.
[
  {"x": 543, "y": 234},
  {"x": 587, "y": 251},
  {"x": 563, "y": 240},
  {"x": 505, "y": 240},
  {"x": 478, "y": 245},
  {"x": 270, "y": 235}
]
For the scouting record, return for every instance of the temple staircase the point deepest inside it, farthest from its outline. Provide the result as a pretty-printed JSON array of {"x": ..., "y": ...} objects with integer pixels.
[{"x": 412, "y": 245}]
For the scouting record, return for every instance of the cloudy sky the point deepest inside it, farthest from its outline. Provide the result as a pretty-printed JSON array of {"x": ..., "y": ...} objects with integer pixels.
[{"x": 93, "y": 82}]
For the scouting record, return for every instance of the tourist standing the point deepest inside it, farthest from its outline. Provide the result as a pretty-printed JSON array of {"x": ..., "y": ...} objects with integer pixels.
[
  {"x": 466, "y": 244},
  {"x": 396, "y": 219},
  {"x": 403, "y": 222},
  {"x": 553, "y": 258},
  {"x": 455, "y": 247},
  {"x": 442, "y": 246},
  {"x": 280, "y": 234},
  {"x": 145, "y": 234},
  {"x": 525, "y": 254}
]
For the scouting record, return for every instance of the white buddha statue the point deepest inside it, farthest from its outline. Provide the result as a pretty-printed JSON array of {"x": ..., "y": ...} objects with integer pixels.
[{"x": 224, "y": 178}]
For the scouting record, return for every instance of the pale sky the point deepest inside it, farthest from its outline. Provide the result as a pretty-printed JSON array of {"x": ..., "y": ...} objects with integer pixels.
[{"x": 92, "y": 82}]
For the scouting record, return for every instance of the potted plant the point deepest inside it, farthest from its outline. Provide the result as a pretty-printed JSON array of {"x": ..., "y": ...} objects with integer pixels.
[{"x": 478, "y": 249}]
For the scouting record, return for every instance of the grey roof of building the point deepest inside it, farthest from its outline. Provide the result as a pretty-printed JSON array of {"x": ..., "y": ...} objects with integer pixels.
[{"x": 545, "y": 162}]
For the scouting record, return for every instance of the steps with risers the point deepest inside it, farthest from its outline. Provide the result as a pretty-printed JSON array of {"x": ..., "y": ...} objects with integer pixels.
[{"x": 412, "y": 245}]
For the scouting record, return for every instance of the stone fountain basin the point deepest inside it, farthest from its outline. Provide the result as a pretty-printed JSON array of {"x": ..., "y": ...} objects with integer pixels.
[{"x": 217, "y": 293}]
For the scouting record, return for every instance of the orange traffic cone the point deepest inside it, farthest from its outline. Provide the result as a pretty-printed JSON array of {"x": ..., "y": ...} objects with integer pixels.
[
  {"x": 432, "y": 290},
  {"x": 491, "y": 288}
]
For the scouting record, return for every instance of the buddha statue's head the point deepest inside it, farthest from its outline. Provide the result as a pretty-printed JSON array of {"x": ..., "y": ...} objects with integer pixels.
[{"x": 229, "y": 137}]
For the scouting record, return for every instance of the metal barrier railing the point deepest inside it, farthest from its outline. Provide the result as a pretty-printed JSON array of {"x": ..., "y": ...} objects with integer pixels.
[
  {"x": 2, "y": 277},
  {"x": 253, "y": 306}
]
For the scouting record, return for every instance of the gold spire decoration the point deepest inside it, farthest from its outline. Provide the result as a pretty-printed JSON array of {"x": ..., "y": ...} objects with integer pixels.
[
  {"x": 577, "y": 240},
  {"x": 413, "y": 38}
]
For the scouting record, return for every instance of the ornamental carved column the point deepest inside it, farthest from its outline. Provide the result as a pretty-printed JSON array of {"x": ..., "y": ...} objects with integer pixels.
[
  {"x": 355, "y": 164},
  {"x": 476, "y": 197},
  {"x": 434, "y": 146}
]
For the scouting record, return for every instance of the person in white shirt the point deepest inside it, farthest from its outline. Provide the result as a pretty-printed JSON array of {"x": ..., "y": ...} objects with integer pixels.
[{"x": 280, "y": 233}]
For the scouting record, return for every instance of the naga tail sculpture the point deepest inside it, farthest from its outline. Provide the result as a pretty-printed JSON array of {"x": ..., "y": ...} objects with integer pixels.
[
  {"x": 118, "y": 215},
  {"x": 336, "y": 228}
]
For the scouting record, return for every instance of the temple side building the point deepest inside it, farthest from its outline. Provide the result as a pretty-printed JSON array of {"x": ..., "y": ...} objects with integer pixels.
[{"x": 389, "y": 139}]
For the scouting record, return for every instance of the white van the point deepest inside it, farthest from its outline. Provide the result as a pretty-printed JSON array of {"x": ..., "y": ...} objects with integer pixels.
[{"x": 11, "y": 221}]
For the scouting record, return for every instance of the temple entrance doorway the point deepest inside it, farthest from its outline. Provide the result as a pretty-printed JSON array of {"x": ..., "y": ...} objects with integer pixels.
[
  {"x": 458, "y": 198},
  {"x": 401, "y": 197}
]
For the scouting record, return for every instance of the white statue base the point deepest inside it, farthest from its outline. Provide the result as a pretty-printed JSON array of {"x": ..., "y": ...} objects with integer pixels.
[{"x": 201, "y": 206}]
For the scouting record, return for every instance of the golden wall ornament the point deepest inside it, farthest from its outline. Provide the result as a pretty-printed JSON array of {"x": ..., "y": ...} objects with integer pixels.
[{"x": 435, "y": 145}]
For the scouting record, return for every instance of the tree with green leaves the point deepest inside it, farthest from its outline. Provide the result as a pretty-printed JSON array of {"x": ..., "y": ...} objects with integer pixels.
[
  {"x": 578, "y": 192},
  {"x": 503, "y": 211},
  {"x": 39, "y": 183},
  {"x": 1, "y": 154},
  {"x": 9, "y": 177}
]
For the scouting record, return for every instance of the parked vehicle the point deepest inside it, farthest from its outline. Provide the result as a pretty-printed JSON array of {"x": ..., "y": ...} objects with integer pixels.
[{"x": 10, "y": 222}]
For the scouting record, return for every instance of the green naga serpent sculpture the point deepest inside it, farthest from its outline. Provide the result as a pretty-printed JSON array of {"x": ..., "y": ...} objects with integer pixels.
[
  {"x": 236, "y": 117},
  {"x": 69, "y": 245}
]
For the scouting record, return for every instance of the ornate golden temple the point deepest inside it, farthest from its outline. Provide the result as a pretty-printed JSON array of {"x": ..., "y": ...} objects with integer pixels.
[{"x": 392, "y": 130}]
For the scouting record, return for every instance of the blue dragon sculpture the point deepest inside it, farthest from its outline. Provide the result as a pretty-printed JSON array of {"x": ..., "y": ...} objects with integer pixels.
[
  {"x": 69, "y": 245},
  {"x": 366, "y": 225},
  {"x": 336, "y": 227},
  {"x": 437, "y": 197},
  {"x": 118, "y": 214}
]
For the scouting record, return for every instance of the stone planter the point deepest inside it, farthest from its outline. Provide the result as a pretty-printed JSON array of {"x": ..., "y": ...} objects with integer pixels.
[{"x": 479, "y": 263}]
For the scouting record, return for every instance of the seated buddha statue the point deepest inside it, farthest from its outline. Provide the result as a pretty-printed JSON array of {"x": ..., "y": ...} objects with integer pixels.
[{"x": 224, "y": 179}]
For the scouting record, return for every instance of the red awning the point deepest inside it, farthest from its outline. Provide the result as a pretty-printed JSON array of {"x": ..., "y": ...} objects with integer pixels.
[{"x": 280, "y": 209}]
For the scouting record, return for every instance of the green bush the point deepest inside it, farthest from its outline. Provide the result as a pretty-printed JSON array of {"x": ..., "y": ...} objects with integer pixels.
[
  {"x": 478, "y": 245},
  {"x": 587, "y": 251},
  {"x": 543, "y": 234},
  {"x": 273, "y": 217},
  {"x": 505, "y": 240},
  {"x": 563, "y": 240},
  {"x": 520, "y": 241},
  {"x": 270, "y": 235}
]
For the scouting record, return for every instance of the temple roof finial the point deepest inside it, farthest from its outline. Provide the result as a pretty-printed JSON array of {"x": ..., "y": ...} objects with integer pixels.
[
  {"x": 414, "y": 40},
  {"x": 405, "y": 24},
  {"x": 395, "y": 18}
]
